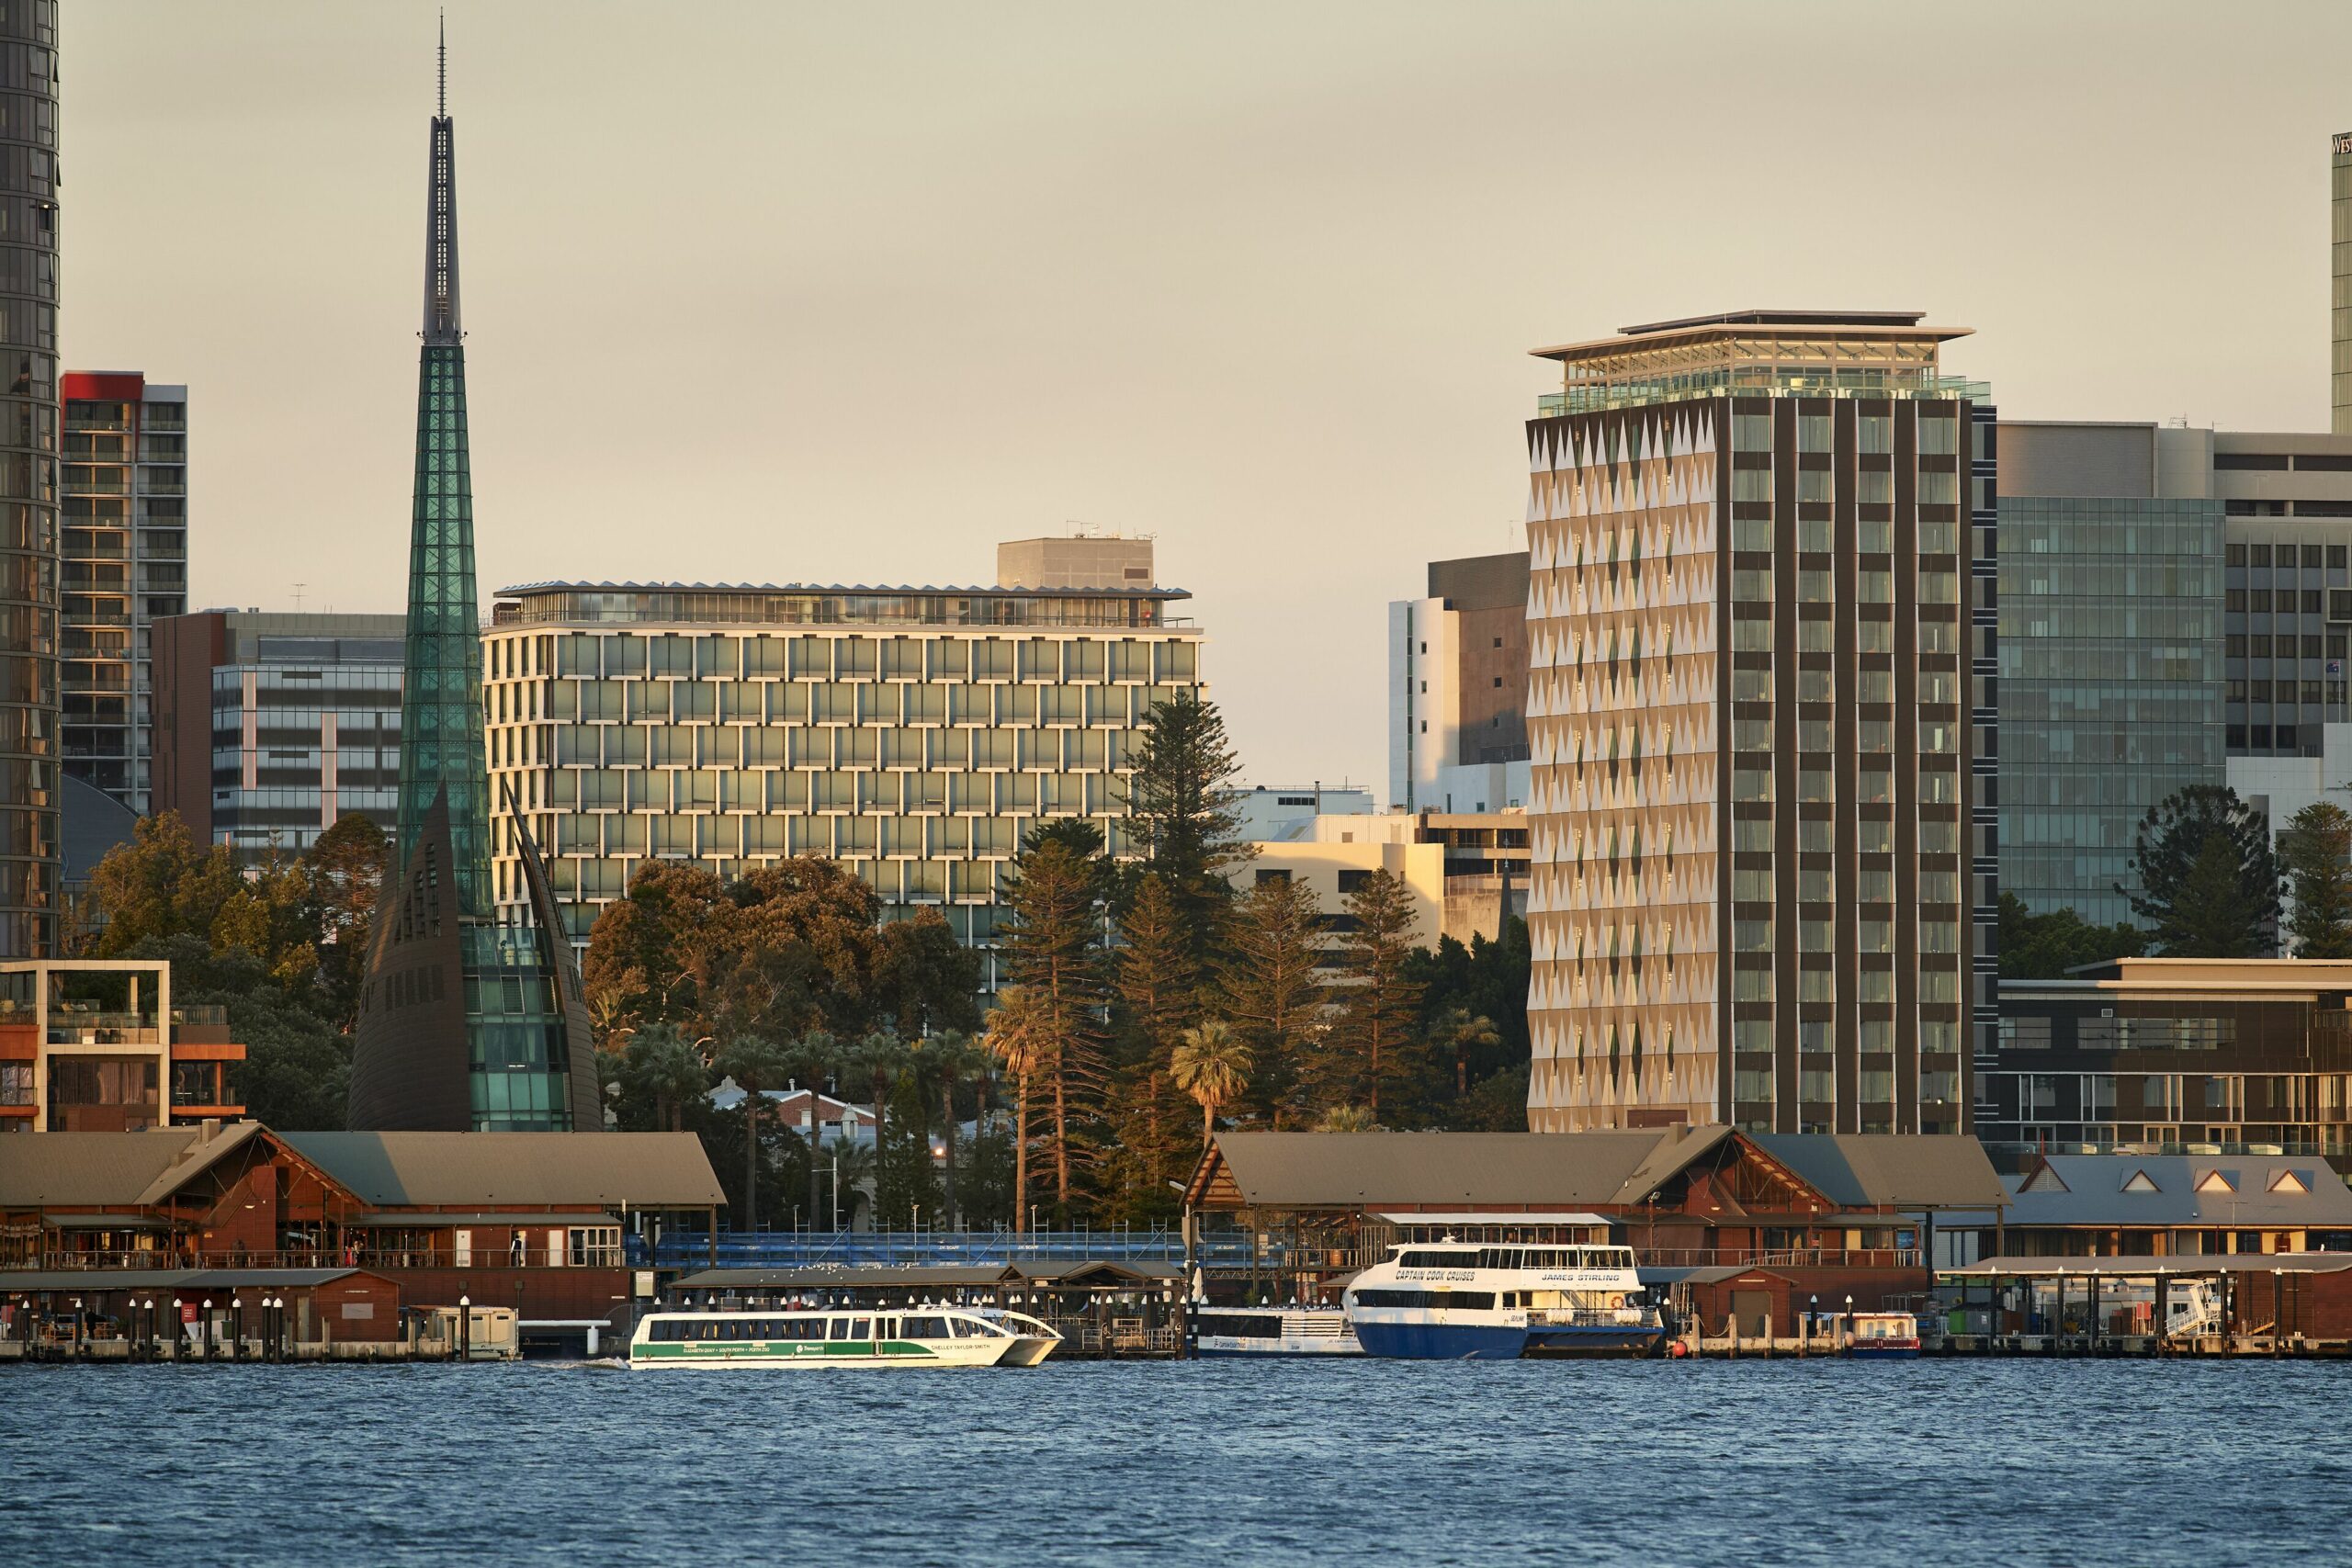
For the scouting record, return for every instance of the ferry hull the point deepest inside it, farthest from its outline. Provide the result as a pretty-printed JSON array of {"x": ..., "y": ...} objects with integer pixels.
[
  {"x": 1441, "y": 1341},
  {"x": 1893, "y": 1352},
  {"x": 1572, "y": 1344}
]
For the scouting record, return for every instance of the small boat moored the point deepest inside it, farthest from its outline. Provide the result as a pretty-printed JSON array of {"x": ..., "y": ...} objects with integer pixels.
[
  {"x": 1273, "y": 1331},
  {"x": 1882, "y": 1336}
]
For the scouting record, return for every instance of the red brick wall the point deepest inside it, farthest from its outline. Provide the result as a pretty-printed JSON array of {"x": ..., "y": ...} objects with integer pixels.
[{"x": 566, "y": 1293}]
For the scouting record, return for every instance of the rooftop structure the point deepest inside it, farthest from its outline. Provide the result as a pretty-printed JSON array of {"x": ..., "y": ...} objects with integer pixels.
[
  {"x": 808, "y": 605},
  {"x": 1812, "y": 353},
  {"x": 1083, "y": 560}
]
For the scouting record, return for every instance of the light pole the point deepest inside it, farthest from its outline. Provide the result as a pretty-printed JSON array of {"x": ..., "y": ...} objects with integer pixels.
[
  {"x": 179, "y": 1338},
  {"x": 205, "y": 1328},
  {"x": 465, "y": 1327},
  {"x": 237, "y": 1328}
]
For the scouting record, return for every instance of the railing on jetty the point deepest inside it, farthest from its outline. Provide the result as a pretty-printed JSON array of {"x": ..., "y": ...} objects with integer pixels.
[{"x": 809, "y": 1249}]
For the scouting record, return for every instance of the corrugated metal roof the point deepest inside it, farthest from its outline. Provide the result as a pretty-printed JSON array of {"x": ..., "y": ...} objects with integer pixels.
[
  {"x": 93, "y": 1279},
  {"x": 486, "y": 1170},
  {"x": 2091, "y": 1190},
  {"x": 1905, "y": 1170},
  {"x": 1556, "y": 1170}
]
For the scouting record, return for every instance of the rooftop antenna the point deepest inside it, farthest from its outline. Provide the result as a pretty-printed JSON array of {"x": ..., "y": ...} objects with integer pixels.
[
  {"x": 441, "y": 90},
  {"x": 297, "y": 596}
]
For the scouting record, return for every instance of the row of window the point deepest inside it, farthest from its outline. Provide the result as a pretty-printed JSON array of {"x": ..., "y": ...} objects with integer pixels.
[{"x": 810, "y": 657}]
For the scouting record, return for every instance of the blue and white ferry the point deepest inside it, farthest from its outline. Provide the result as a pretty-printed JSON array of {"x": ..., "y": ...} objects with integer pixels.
[{"x": 1499, "y": 1287}]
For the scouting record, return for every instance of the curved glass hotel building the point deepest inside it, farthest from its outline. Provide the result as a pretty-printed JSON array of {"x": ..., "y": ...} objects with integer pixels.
[{"x": 914, "y": 733}]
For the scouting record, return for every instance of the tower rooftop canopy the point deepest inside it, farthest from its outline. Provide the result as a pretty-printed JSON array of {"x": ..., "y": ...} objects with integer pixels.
[{"x": 1757, "y": 353}]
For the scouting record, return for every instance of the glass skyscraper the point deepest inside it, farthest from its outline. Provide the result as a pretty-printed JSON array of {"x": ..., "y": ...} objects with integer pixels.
[{"x": 29, "y": 559}]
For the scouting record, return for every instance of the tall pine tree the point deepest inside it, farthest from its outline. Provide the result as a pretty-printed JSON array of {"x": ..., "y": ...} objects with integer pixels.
[
  {"x": 1052, "y": 946},
  {"x": 2208, "y": 882},
  {"x": 1370, "y": 1044},
  {"x": 2315, "y": 851},
  {"x": 1270, "y": 989},
  {"x": 1180, "y": 807}
]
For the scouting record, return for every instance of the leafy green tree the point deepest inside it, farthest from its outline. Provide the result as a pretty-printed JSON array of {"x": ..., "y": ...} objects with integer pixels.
[
  {"x": 346, "y": 865},
  {"x": 2315, "y": 851},
  {"x": 1368, "y": 1043},
  {"x": 1269, "y": 986},
  {"x": 906, "y": 1180},
  {"x": 2208, "y": 882},
  {"x": 162, "y": 883},
  {"x": 1182, "y": 810},
  {"x": 1348, "y": 1119},
  {"x": 927, "y": 979},
  {"x": 2045, "y": 946},
  {"x": 1457, "y": 1038},
  {"x": 1212, "y": 1062}
]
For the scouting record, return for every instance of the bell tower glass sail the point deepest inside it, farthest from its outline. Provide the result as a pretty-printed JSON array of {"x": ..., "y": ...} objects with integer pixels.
[{"x": 465, "y": 1024}]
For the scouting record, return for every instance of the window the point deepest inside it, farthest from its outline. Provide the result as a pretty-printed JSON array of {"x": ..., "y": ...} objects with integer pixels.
[
  {"x": 1875, "y": 487},
  {"x": 1751, "y": 484},
  {"x": 1813, "y": 433},
  {"x": 1353, "y": 880},
  {"x": 1751, "y": 433},
  {"x": 1874, "y": 433},
  {"x": 1814, "y": 484},
  {"x": 1938, "y": 434}
]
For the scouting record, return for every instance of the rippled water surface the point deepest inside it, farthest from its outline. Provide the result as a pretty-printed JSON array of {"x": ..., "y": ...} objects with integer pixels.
[{"x": 1919, "y": 1464}]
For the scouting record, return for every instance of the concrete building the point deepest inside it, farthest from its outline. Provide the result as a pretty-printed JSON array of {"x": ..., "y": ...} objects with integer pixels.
[
  {"x": 2172, "y": 1055},
  {"x": 2339, "y": 196},
  {"x": 124, "y": 549},
  {"x": 1481, "y": 861},
  {"x": 94, "y": 1045},
  {"x": 914, "y": 733},
  {"x": 1078, "y": 560},
  {"x": 29, "y": 636},
  {"x": 1762, "y": 721},
  {"x": 1457, "y": 689},
  {"x": 2110, "y": 650},
  {"x": 1334, "y": 869},
  {"x": 268, "y": 727},
  {"x": 1289, "y": 811}
]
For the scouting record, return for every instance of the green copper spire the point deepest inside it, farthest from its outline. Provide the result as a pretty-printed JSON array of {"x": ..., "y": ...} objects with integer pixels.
[{"x": 441, "y": 727}]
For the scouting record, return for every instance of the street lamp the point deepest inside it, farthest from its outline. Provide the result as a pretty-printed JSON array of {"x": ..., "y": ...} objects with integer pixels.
[
  {"x": 237, "y": 1328},
  {"x": 207, "y": 1326},
  {"x": 465, "y": 1328},
  {"x": 179, "y": 1341}
]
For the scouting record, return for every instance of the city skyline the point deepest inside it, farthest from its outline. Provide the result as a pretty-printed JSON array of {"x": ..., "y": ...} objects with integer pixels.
[{"x": 1239, "y": 346}]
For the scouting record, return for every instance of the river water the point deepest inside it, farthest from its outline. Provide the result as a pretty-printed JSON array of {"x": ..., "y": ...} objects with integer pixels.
[{"x": 1920, "y": 1465}]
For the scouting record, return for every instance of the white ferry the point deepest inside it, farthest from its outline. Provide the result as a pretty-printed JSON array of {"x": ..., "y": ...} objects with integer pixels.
[
  {"x": 1500, "y": 1287},
  {"x": 1273, "y": 1331},
  {"x": 848, "y": 1336}
]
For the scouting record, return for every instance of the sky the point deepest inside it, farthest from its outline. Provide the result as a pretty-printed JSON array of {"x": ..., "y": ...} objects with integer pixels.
[{"x": 772, "y": 292}]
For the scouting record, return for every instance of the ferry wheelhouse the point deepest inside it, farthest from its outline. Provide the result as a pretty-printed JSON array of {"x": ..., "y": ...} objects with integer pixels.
[
  {"x": 1488, "y": 1287},
  {"x": 848, "y": 1336}
]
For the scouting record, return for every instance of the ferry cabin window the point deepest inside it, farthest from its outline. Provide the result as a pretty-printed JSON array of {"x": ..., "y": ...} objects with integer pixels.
[
  {"x": 1244, "y": 1327},
  {"x": 924, "y": 1328},
  {"x": 1462, "y": 1260},
  {"x": 1465, "y": 1301},
  {"x": 837, "y": 1328},
  {"x": 861, "y": 1329}
]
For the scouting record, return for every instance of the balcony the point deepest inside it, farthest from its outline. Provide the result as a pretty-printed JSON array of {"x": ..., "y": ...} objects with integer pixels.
[{"x": 104, "y": 1029}]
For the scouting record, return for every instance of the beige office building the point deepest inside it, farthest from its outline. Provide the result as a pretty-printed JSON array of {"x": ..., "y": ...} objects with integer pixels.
[
  {"x": 1758, "y": 711},
  {"x": 913, "y": 733}
]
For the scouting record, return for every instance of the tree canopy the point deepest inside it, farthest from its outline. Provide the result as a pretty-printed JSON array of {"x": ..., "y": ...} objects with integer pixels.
[{"x": 2207, "y": 883}]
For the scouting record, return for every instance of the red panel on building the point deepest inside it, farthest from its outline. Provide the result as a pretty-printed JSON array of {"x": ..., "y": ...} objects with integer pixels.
[{"x": 104, "y": 385}]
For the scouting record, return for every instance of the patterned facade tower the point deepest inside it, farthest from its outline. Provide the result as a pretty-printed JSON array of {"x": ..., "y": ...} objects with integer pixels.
[
  {"x": 1761, "y": 723},
  {"x": 464, "y": 1023}
]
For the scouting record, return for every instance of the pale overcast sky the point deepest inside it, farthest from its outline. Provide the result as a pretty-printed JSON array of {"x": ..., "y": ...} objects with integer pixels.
[{"x": 775, "y": 292}]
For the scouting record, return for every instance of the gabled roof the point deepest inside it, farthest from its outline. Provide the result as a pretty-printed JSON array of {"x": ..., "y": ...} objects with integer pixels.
[
  {"x": 81, "y": 1172},
  {"x": 649, "y": 1170},
  {"x": 1616, "y": 1169},
  {"x": 2250, "y": 1191},
  {"x": 88, "y": 1170},
  {"x": 1861, "y": 1170}
]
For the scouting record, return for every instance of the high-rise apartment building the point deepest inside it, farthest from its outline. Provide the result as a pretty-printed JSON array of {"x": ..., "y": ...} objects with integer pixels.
[
  {"x": 1761, "y": 706},
  {"x": 1457, "y": 689},
  {"x": 467, "y": 1020},
  {"x": 30, "y": 829},
  {"x": 2110, "y": 650},
  {"x": 2339, "y": 194},
  {"x": 124, "y": 549},
  {"x": 913, "y": 733},
  {"x": 270, "y": 726}
]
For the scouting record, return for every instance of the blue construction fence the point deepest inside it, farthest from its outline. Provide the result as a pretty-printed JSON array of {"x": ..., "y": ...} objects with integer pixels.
[{"x": 807, "y": 1249}]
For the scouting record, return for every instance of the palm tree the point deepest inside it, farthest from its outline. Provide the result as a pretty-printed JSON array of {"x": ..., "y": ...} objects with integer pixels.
[
  {"x": 1462, "y": 1032},
  {"x": 1212, "y": 1063},
  {"x": 811, "y": 1058},
  {"x": 1348, "y": 1119},
  {"x": 879, "y": 1057},
  {"x": 661, "y": 1064},
  {"x": 756, "y": 1063},
  {"x": 941, "y": 1063},
  {"x": 1021, "y": 1035}
]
